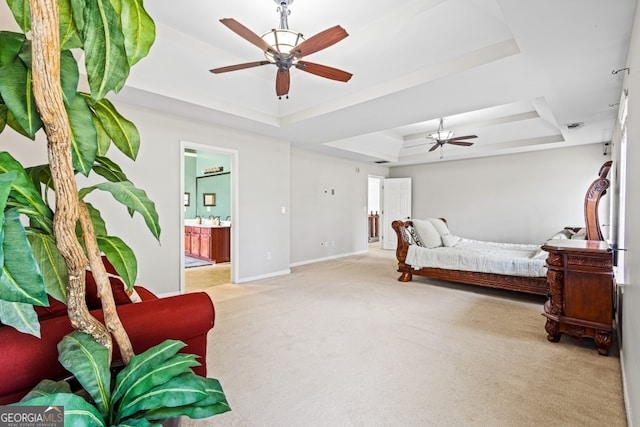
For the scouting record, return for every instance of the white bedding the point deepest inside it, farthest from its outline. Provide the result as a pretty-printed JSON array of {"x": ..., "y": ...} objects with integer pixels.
[{"x": 510, "y": 259}]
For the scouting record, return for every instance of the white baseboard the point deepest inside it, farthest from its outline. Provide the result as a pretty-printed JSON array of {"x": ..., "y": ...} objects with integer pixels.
[
  {"x": 264, "y": 276},
  {"x": 313, "y": 261}
]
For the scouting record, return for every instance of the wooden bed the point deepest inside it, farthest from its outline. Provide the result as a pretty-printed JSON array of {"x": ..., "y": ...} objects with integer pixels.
[{"x": 530, "y": 285}]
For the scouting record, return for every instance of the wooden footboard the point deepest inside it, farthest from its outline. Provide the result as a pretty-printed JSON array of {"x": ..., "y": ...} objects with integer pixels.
[{"x": 530, "y": 285}]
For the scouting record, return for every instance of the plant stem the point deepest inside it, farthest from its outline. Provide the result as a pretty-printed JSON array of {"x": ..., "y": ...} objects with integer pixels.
[
  {"x": 48, "y": 96},
  {"x": 111, "y": 319}
]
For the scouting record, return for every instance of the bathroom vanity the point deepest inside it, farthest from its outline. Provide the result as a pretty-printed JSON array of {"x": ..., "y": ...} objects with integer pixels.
[{"x": 208, "y": 242}]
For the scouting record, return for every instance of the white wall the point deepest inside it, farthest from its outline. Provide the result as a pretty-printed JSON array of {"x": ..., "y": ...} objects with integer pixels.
[
  {"x": 328, "y": 204},
  {"x": 263, "y": 168},
  {"x": 630, "y": 284},
  {"x": 520, "y": 198}
]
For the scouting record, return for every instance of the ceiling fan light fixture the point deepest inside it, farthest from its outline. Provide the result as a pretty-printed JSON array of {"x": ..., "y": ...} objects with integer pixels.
[
  {"x": 441, "y": 135},
  {"x": 282, "y": 41}
]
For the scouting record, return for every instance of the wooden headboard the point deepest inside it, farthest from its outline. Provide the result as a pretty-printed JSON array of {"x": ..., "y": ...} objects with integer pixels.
[{"x": 596, "y": 190}]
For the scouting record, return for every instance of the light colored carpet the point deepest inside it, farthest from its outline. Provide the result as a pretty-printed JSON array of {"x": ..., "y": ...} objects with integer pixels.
[{"x": 343, "y": 343}]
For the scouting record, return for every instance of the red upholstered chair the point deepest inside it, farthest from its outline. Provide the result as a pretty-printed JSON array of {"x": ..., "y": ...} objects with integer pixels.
[{"x": 25, "y": 360}]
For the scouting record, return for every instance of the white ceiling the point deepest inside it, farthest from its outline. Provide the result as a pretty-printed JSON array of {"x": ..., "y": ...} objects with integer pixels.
[{"x": 513, "y": 72}]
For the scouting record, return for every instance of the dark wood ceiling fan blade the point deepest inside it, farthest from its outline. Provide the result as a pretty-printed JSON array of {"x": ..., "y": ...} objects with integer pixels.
[
  {"x": 247, "y": 34},
  {"x": 435, "y": 146},
  {"x": 239, "y": 67},
  {"x": 283, "y": 81},
  {"x": 465, "y": 143},
  {"x": 320, "y": 41},
  {"x": 458, "y": 138},
  {"x": 324, "y": 71}
]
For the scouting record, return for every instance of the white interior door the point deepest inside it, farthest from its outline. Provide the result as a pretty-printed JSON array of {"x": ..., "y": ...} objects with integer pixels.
[{"x": 396, "y": 204}]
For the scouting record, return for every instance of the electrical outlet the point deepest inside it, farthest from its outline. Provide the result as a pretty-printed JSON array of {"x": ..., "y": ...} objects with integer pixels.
[{"x": 268, "y": 255}]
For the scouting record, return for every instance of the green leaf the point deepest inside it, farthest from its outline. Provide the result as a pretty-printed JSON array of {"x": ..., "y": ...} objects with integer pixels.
[
  {"x": 21, "y": 10},
  {"x": 3, "y": 115},
  {"x": 133, "y": 198},
  {"x": 6, "y": 182},
  {"x": 215, "y": 403},
  {"x": 122, "y": 132},
  {"x": 81, "y": 355},
  {"x": 140, "y": 365},
  {"x": 178, "y": 391},
  {"x": 16, "y": 88},
  {"x": 104, "y": 140},
  {"x": 25, "y": 194},
  {"x": 105, "y": 56},
  {"x": 109, "y": 169},
  {"x": 84, "y": 141},
  {"x": 78, "y": 12},
  {"x": 13, "y": 124},
  {"x": 121, "y": 257},
  {"x": 40, "y": 176},
  {"x": 51, "y": 264},
  {"x": 21, "y": 280},
  {"x": 77, "y": 411},
  {"x": 20, "y": 316},
  {"x": 69, "y": 36},
  {"x": 10, "y": 45},
  {"x": 99, "y": 226},
  {"x": 47, "y": 387},
  {"x": 69, "y": 76},
  {"x": 139, "y": 30}
]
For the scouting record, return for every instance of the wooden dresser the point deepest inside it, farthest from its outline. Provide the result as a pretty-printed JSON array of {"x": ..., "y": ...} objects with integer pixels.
[{"x": 581, "y": 291}]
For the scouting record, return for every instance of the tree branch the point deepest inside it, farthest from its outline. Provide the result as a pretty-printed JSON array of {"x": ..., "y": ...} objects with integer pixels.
[
  {"x": 111, "y": 319},
  {"x": 48, "y": 96}
]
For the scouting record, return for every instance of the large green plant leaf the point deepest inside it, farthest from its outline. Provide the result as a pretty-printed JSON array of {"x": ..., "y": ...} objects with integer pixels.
[
  {"x": 122, "y": 132},
  {"x": 140, "y": 365},
  {"x": 69, "y": 36},
  {"x": 51, "y": 264},
  {"x": 139, "y": 30},
  {"x": 133, "y": 198},
  {"x": 77, "y": 411},
  {"x": 155, "y": 376},
  {"x": 10, "y": 45},
  {"x": 20, "y": 316},
  {"x": 69, "y": 76},
  {"x": 121, "y": 257},
  {"x": 215, "y": 403},
  {"x": 180, "y": 390},
  {"x": 105, "y": 55},
  {"x": 26, "y": 195},
  {"x": 21, "y": 10},
  {"x": 47, "y": 387},
  {"x": 137, "y": 422},
  {"x": 81, "y": 355},
  {"x": 40, "y": 176},
  {"x": 109, "y": 169},
  {"x": 16, "y": 88},
  {"x": 84, "y": 141},
  {"x": 20, "y": 280}
]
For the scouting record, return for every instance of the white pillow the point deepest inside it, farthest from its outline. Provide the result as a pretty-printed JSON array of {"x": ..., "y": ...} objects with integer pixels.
[
  {"x": 440, "y": 225},
  {"x": 580, "y": 235},
  {"x": 450, "y": 240},
  {"x": 563, "y": 234},
  {"x": 428, "y": 233}
]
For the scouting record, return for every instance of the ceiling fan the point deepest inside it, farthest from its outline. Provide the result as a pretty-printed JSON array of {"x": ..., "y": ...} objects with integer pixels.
[
  {"x": 285, "y": 48},
  {"x": 442, "y": 137}
]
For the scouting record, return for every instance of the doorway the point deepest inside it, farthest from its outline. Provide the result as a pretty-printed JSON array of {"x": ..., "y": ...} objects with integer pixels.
[{"x": 208, "y": 249}]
